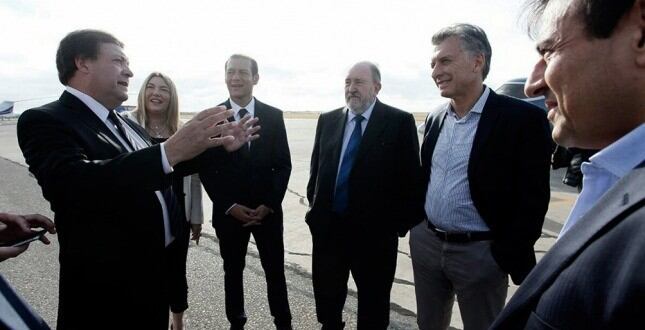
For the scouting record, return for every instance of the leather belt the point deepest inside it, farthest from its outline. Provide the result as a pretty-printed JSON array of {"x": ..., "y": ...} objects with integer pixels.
[{"x": 461, "y": 237}]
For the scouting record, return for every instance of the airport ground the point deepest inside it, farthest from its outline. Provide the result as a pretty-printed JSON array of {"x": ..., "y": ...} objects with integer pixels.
[{"x": 35, "y": 273}]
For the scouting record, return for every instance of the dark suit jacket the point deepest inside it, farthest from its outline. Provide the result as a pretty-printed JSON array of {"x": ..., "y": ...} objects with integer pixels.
[
  {"x": 108, "y": 218},
  {"x": 593, "y": 277},
  {"x": 508, "y": 173},
  {"x": 251, "y": 178},
  {"x": 383, "y": 181}
]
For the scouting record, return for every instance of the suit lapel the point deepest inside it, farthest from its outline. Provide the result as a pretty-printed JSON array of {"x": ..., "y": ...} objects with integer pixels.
[
  {"x": 375, "y": 126},
  {"x": 433, "y": 128},
  {"x": 627, "y": 192},
  {"x": 87, "y": 117},
  {"x": 489, "y": 116},
  {"x": 337, "y": 128},
  {"x": 262, "y": 116}
]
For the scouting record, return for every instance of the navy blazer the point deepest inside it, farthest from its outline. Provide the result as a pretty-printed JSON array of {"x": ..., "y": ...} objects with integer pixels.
[
  {"x": 107, "y": 215},
  {"x": 251, "y": 177},
  {"x": 508, "y": 174},
  {"x": 384, "y": 181},
  {"x": 594, "y": 276}
]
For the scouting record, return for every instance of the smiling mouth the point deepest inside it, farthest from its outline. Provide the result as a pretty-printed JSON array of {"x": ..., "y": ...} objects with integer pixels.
[{"x": 123, "y": 83}]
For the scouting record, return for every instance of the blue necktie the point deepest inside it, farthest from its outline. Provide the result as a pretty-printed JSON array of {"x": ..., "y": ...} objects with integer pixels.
[{"x": 341, "y": 197}]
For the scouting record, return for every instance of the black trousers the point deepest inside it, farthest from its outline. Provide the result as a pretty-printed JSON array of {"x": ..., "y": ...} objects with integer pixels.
[
  {"x": 371, "y": 258},
  {"x": 177, "y": 253},
  {"x": 233, "y": 242}
]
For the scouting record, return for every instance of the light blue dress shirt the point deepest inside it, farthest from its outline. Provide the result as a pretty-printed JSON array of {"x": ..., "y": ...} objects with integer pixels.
[
  {"x": 604, "y": 169},
  {"x": 449, "y": 205}
]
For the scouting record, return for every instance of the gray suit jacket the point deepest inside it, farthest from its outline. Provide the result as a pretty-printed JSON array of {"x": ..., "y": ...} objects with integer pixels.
[{"x": 593, "y": 277}]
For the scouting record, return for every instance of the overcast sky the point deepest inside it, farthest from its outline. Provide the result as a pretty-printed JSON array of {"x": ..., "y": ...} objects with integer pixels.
[{"x": 303, "y": 47}]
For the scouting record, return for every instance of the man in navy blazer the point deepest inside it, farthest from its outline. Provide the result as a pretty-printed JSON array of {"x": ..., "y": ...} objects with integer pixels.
[
  {"x": 247, "y": 188},
  {"x": 104, "y": 181},
  {"x": 591, "y": 72},
  {"x": 485, "y": 161},
  {"x": 361, "y": 192}
]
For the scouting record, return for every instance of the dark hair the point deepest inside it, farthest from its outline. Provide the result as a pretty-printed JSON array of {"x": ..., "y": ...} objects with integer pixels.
[
  {"x": 473, "y": 40},
  {"x": 80, "y": 44},
  {"x": 600, "y": 17},
  {"x": 254, "y": 63}
]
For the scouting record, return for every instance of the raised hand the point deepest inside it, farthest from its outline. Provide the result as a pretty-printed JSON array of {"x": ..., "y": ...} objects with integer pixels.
[
  {"x": 242, "y": 132},
  {"x": 209, "y": 128}
]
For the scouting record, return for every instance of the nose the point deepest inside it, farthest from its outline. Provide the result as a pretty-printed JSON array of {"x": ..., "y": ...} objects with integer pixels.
[
  {"x": 434, "y": 71},
  {"x": 535, "y": 83},
  {"x": 351, "y": 87},
  {"x": 127, "y": 72}
]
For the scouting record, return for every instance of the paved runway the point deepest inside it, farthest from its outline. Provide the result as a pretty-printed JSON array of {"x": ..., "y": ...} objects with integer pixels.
[{"x": 35, "y": 273}]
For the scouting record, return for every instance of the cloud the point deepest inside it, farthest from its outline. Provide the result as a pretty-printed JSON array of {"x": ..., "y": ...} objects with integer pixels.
[{"x": 304, "y": 47}]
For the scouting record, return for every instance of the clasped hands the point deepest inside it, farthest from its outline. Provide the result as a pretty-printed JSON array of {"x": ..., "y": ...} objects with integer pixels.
[
  {"x": 210, "y": 128},
  {"x": 249, "y": 216}
]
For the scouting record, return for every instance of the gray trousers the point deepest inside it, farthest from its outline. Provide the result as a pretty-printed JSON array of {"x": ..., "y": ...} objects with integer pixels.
[{"x": 443, "y": 270}]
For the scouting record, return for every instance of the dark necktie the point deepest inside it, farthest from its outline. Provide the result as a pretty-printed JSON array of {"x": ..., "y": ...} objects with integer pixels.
[
  {"x": 341, "y": 197},
  {"x": 241, "y": 114},
  {"x": 115, "y": 120},
  {"x": 172, "y": 205}
]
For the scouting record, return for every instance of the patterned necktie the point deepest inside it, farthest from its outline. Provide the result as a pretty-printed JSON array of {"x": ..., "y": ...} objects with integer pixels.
[
  {"x": 115, "y": 120},
  {"x": 341, "y": 196}
]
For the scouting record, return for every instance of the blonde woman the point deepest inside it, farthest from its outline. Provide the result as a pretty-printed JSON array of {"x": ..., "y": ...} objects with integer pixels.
[{"x": 158, "y": 112}]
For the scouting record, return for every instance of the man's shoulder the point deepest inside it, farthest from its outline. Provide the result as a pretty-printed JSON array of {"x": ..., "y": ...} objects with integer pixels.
[
  {"x": 50, "y": 110},
  {"x": 394, "y": 111},
  {"x": 332, "y": 113},
  {"x": 267, "y": 107},
  {"x": 514, "y": 106}
]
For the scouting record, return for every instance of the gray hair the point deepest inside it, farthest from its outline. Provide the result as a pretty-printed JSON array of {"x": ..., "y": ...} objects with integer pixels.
[
  {"x": 473, "y": 40},
  {"x": 376, "y": 73}
]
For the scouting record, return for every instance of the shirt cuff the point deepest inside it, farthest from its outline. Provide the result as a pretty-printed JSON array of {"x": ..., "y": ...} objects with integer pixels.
[
  {"x": 229, "y": 209},
  {"x": 167, "y": 169}
]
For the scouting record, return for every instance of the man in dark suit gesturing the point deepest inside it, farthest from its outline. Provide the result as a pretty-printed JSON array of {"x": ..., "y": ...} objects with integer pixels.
[
  {"x": 486, "y": 175},
  {"x": 247, "y": 188},
  {"x": 591, "y": 72},
  {"x": 364, "y": 169},
  {"x": 109, "y": 187}
]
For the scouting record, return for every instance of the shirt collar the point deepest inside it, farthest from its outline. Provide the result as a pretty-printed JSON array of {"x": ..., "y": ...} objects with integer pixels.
[
  {"x": 97, "y": 108},
  {"x": 478, "y": 107},
  {"x": 249, "y": 107},
  {"x": 624, "y": 154},
  {"x": 366, "y": 114}
]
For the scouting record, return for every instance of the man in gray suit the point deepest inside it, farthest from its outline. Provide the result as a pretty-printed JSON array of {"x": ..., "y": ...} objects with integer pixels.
[{"x": 592, "y": 74}]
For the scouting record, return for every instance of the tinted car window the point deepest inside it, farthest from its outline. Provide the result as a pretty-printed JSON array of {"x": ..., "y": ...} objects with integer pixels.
[{"x": 514, "y": 90}]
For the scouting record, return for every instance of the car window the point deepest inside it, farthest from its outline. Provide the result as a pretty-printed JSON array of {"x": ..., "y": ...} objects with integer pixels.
[{"x": 514, "y": 90}]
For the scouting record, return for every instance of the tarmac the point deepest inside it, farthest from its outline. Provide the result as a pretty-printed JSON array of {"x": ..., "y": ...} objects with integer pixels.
[{"x": 34, "y": 274}]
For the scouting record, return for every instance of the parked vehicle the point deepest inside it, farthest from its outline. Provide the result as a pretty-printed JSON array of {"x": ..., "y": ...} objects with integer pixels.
[{"x": 515, "y": 88}]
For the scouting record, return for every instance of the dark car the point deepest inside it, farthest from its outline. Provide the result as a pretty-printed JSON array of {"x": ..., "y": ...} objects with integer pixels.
[{"x": 515, "y": 88}]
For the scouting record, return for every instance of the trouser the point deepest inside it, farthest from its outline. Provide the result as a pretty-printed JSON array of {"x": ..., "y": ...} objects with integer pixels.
[
  {"x": 445, "y": 269},
  {"x": 371, "y": 259},
  {"x": 176, "y": 254},
  {"x": 233, "y": 242}
]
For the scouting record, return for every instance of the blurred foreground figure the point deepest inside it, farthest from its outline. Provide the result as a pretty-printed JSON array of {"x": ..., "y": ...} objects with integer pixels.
[
  {"x": 592, "y": 73},
  {"x": 15, "y": 313}
]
